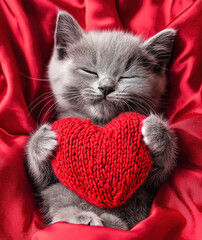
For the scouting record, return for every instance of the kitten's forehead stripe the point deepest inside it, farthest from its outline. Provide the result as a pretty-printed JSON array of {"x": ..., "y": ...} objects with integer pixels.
[
  {"x": 62, "y": 53},
  {"x": 129, "y": 63},
  {"x": 105, "y": 51}
]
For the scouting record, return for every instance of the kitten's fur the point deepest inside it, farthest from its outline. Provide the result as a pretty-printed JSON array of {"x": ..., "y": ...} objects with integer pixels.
[{"x": 99, "y": 75}]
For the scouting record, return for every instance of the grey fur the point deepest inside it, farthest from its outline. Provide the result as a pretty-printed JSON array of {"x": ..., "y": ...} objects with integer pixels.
[{"x": 99, "y": 75}]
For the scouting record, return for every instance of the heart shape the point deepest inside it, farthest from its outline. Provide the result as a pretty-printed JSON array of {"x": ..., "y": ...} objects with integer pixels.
[{"x": 104, "y": 166}]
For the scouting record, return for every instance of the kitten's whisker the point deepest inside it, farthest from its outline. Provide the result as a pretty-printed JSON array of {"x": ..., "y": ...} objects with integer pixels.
[
  {"x": 49, "y": 96},
  {"x": 36, "y": 79},
  {"x": 43, "y": 109},
  {"x": 135, "y": 101},
  {"x": 128, "y": 105},
  {"x": 122, "y": 106},
  {"x": 47, "y": 93},
  {"x": 147, "y": 102},
  {"x": 75, "y": 98},
  {"x": 125, "y": 89},
  {"x": 142, "y": 103},
  {"x": 49, "y": 110},
  {"x": 149, "y": 105},
  {"x": 138, "y": 99},
  {"x": 137, "y": 104},
  {"x": 56, "y": 110},
  {"x": 71, "y": 95}
]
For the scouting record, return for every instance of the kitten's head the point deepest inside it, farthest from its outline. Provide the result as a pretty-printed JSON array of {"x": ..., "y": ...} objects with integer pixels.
[{"x": 100, "y": 74}]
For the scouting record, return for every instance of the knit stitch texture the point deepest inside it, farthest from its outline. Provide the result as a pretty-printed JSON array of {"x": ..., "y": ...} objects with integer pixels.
[{"x": 104, "y": 166}]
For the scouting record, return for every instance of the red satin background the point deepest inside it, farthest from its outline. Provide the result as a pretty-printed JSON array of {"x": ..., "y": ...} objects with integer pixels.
[{"x": 26, "y": 42}]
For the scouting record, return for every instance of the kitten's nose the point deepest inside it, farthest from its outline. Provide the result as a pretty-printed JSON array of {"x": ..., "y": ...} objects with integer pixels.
[{"x": 105, "y": 90}]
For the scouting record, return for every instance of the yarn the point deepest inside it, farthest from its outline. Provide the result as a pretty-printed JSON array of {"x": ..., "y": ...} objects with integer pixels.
[{"x": 103, "y": 165}]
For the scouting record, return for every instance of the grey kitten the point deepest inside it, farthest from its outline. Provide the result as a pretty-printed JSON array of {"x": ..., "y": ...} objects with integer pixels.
[{"x": 99, "y": 75}]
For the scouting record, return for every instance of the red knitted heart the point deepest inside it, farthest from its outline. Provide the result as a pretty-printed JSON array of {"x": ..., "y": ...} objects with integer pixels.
[{"x": 104, "y": 166}]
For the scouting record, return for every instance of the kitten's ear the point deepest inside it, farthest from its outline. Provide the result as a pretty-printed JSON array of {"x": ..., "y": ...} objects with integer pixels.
[
  {"x": 160, "y": 45},
  {"x": 67, "y": 32}
]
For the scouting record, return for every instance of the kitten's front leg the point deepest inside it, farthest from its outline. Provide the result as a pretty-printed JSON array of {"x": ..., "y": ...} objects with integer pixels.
[
  {"x": 161, "y": 140},
  {"x": 40, "y": 149}
]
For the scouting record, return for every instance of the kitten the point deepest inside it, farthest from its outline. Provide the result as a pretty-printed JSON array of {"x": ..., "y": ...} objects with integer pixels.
[{"x": 99, "y": 75}]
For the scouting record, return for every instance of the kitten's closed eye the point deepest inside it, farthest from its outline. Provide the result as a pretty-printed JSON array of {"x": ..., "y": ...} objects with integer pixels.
[
  {"x": 87, "y": 72},
  {"x": 128, "y": 77}
]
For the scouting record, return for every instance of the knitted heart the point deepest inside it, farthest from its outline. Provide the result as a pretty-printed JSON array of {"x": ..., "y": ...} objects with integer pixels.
[{"x": 104, "y": 166}]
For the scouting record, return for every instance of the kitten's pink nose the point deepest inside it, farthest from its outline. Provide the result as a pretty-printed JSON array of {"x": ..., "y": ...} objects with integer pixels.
[{"x": 105, "y": 90}]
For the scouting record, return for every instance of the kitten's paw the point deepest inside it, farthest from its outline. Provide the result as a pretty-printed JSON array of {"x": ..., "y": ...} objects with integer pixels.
[
  {"x": 113, "y": 221},
  {"x": 87, "y": 218},
  {"x": 42, "y": 143},
  {"x": 156, "y": 135}
]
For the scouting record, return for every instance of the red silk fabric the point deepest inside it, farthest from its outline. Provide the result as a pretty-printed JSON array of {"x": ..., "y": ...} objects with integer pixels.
[{"x": 26, "y": 42}]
